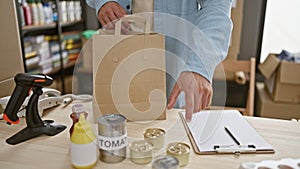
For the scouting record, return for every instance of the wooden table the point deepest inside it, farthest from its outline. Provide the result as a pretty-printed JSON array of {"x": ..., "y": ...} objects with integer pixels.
[{"x": 53, "y": 152}]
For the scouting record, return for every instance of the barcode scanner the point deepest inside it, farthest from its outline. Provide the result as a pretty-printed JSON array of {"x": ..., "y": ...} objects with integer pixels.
[
  {"x": 35, "y": 125},
  {"x": 24, "y": 83}
]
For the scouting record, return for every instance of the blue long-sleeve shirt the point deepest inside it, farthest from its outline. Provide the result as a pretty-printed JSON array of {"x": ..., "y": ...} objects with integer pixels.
[{"x": 197, "y": 34}]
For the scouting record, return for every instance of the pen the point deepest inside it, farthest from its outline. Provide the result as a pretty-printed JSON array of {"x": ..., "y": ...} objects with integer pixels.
[{"x": 232, "y": 136}]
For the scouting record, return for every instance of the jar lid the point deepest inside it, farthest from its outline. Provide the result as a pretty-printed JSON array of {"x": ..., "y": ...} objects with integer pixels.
[
  {"x": 141, "y": 146},
  {"x": 154, "y": 133},
  {"x": 178, "y": 148},
  {"x": 165, "y": 162},
  {"x": 78, "y": 108}
]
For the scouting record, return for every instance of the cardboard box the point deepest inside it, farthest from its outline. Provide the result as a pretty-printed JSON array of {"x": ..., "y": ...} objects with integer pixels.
[
  {"x": 266, "y": 107},
  {"x": 10, "y": 47},
  {"x": 282, "y": 79},
  {"x": 237, "y": 20}
]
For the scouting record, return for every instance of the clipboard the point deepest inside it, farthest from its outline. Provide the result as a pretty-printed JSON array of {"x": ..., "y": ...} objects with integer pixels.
[{"x": 223, "y": 132}]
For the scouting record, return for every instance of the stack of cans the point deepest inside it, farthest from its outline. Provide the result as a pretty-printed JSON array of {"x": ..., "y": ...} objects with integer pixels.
[{"x": 112, "y": 140}]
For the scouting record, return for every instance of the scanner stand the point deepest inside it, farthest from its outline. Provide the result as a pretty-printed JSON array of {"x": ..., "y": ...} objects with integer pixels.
[{"x": 35, "y": 125}]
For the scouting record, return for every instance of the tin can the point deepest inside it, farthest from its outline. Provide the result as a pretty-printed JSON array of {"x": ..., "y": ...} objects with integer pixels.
[
  {"x": 165, "y": 162},
  {"x": 181, "y": 151},
  {"x": 112, "y": 138},
  {"x": 156, "y": 136},
  {"x": 141, "y": 152}
]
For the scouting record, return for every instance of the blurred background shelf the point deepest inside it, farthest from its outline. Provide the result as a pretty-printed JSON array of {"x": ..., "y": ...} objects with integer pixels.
[
  {"x": 52, "y": 46},
  {"x": 30, "y": 28}
]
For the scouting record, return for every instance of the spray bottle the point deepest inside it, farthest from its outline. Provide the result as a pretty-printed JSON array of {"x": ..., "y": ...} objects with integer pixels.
[
  {"x": 83, "y": 145},
  {"x": 40, "y": 12},
  {"x": 27, "y": 13},
  {"x": 34, "y": 12},
  {"x": 20, "y": 6}
]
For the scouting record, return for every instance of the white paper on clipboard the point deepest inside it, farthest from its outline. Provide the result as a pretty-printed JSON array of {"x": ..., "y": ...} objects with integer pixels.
[{"x": 207, "y": 130}]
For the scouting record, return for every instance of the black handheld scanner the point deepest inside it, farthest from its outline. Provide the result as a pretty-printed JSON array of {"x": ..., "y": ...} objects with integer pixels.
[{"x": 24, "y": 82}]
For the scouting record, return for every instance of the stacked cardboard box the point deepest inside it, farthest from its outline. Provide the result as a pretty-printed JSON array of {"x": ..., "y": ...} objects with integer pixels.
[
  {"x": 266, "y": 107},
  {"x": 280, "y": 95}
]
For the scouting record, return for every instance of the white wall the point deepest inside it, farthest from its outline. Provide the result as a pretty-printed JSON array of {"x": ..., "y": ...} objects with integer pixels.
[{"x": 282, "y": 27}]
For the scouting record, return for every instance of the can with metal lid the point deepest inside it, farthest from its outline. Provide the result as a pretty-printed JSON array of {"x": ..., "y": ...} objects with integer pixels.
[
  {"x": 165, "y": 162},
  {"x": 141, "y": 152},
  {"x": 179, "y": 150},
  {"x": 156, "y": 136},
  {"x": 112, "y": 138}
]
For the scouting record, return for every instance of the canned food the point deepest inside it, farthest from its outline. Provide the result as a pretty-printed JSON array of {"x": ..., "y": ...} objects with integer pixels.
[
  {"x": 156, "y": 136},
  {"x": 112, "y": 138},
  {"x": 165, "y": 162},
  {"x": 181, "y": 151},
  {"x": 141, "y": 152}
]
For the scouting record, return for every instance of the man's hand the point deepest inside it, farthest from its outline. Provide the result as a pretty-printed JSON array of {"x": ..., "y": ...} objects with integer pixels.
[
  {"x": 109, "y": 13},
  {"x": 197, "y": 90}
]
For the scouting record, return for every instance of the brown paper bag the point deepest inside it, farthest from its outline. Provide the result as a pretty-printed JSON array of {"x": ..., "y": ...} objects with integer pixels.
[{"x": 129, "y": 73}]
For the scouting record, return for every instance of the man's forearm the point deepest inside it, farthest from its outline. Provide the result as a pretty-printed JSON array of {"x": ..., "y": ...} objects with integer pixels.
[{"x": 214, "y": 24}]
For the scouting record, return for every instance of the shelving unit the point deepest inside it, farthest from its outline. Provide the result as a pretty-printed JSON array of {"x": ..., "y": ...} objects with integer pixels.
[
  {"x": 31, "y": 28},
  {"x": 57, "y": 29}
]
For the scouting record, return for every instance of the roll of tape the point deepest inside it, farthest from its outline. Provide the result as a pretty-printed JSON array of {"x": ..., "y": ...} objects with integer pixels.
[{"x": 240, "y": 77}]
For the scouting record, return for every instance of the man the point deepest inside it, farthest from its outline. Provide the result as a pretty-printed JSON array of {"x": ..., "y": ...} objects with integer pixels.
[{"x": 207, "y": 44}]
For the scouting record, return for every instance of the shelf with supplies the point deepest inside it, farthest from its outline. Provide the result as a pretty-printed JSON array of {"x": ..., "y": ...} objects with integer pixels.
[
  {"x": 50, "y": 32},
  {"x": 46, "y": 54},
  {"x": 29, "y": 28},
  {"x": 68, "y": 65}
]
